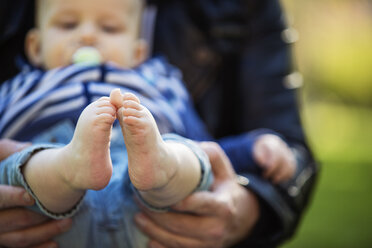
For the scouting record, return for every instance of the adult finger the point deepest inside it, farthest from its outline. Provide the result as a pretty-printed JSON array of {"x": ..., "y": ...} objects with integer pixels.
[
  {"x": 273, "y": 162},
  {"x": 200, "y": 203},
  {"x": 286, "y": 171},
  {"x": 261, "y": 154},
  {"x": 162, "y": 236},
  {"x": 19, "y": 218},
  {"x": 280, "y": 175},
  {"x": 8, "y": 147},
  {"x": 271, "y": 170},
  {"x": 183, "y": 224},
  {"x": 35, "y": 235},
  {"x": 14, "y": 196},
  {"x": 221, "y": 165}
]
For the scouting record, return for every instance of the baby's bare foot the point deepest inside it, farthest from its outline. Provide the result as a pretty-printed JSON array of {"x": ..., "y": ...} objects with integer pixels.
[
  {"x": 88, "y": 154},
  {"x": 147, "y": 152}
]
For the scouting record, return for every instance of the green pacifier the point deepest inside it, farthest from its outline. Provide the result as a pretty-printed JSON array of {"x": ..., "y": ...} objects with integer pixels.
[{"x": 87, "y": 56}]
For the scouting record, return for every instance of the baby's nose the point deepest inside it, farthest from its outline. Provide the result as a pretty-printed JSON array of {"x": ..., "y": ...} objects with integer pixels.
[{"x": 88, "y": 34}]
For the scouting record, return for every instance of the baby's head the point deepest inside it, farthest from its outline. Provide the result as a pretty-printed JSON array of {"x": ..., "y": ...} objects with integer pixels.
[{"x": 64, "y": 26}]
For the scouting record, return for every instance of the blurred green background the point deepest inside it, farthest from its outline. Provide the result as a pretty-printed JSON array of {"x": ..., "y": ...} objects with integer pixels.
[{"x": 334, "y": 54}]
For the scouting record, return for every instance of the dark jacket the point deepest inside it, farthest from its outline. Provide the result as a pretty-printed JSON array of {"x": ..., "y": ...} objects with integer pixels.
[{"x": 235, "y": 63}]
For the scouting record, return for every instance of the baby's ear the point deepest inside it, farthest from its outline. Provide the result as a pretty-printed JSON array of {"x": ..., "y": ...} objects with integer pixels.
[
  {"x": 140, "y": 52},
  {"x": 33, "y": 47}
]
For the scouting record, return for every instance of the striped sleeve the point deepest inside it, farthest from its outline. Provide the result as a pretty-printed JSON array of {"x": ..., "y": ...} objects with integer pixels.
[
  {"x": 35, "y": 94},
  {"x": 12, "y": 91}
]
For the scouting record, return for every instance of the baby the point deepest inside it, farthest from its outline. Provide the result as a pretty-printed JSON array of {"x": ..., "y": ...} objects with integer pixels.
[
  {"x": 155, "y": 166},
  {"x": 162, "y": 169}
]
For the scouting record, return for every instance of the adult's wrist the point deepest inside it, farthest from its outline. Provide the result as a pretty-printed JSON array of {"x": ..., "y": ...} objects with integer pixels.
[
  {"x": 247, "y": 213},
  {"x": 276, "y": 217}
]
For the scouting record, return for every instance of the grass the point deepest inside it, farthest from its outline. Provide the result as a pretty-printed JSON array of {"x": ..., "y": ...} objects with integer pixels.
[
  {"x": 334, "y": 54},
  {"x": 340, "y": 214}
]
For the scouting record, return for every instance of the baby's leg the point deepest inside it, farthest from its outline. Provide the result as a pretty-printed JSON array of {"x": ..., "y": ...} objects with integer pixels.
[
  {"x": 90, "y": 147},
  {"x": 84, "y": 163},
  {"x": 164, "y": 172}
]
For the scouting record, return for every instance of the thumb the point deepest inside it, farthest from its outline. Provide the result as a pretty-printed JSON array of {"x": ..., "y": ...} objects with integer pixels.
[
  {"x": 202, "y": 203},
  {"x": 14, "y": 196},
  {"x": 8, "y": 147},
  {"x": 221, "y": 165}
]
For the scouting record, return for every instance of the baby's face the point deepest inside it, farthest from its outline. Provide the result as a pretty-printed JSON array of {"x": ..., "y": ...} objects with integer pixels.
[{"x": 64, "y": 26}]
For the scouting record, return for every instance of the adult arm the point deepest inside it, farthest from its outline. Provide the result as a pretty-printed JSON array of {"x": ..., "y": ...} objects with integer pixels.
[
  {"x": 20, "y": 227},
  {"x": 236, "y": 62},
  {"x": 265, "y": 97}
]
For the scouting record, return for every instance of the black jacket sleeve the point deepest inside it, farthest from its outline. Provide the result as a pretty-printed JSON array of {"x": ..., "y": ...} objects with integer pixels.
[{"x": 236, "y": 62}]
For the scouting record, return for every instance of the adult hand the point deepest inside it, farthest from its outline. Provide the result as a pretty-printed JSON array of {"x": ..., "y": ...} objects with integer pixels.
[
  {"x": 275, "y": 157},
  {"x": 8, "y": 147},
  {"x": 217, "y": 218},
  {"x": 20, "y": 227}
]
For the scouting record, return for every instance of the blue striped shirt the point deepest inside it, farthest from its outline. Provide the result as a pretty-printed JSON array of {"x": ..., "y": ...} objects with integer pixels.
[
  {"x": 35, "y": 99},
  {"x": 39, "y": 106}
]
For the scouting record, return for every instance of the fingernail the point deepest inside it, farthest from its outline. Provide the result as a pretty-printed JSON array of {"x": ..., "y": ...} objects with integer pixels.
[
  {"x": 65, "y": 224},
  {"x": 27, "y": 198}
]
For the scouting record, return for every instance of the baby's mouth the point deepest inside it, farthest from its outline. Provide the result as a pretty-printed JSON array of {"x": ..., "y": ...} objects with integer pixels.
[{"x": 87, "y": 55}]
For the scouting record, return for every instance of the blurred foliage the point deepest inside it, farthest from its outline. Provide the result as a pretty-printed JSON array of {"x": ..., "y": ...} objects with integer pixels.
[
  {"x": 335, "y": 50},
  {"x": 339, "y": 133},
  {"x": 334, "y": 54}
]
